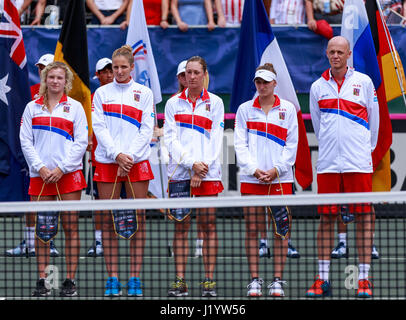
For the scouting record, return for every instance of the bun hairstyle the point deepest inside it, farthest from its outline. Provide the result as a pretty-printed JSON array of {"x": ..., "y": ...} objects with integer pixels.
[
  {"x": 125, "y": 51},
  {"x": 43, "y": 89},
  {"x": 267, "y": 66}
]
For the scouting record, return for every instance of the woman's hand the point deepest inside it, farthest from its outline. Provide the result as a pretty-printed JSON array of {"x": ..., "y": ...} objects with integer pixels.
[
  {"x": 44, "y": 173},
  {"x": 183, "y": 26},
  {"x": 55, "y": 175},
  {"x": 50, "y": 176},
  {"x": 125, "y": 162},
  {"x": 121, "y": 172},
  {"x": 200, "y": 168},
  {"x": 259, "y": 174},
  {"x": 195, "y": 181},
  {"x": 269, "y": 176}
]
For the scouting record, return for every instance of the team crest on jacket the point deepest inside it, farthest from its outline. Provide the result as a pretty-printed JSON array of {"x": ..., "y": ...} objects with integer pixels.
[
  {"x": 66, "y": 108},
  {"x": 356, "y": 92},
  {"x": 137, "y": 95},
  {"x": 282, "y": 115},
  {"x": 208, "y": 107}
]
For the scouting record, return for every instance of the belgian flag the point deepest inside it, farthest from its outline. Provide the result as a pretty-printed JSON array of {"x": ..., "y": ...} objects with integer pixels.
[
  {"x": 389, "y": 62},
  {"x": 71, "y": 49}
]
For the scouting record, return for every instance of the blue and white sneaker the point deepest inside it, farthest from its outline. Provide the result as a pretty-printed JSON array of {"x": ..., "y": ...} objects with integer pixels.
[
  {"x": 374, "y": 253},
  {"x": 340, "y": 251},
  {"x": 264, "y": 251},
  {"x": 96, "y": 250},
  {"x": 52, "y": 249},
  {"x": 113, "y": 287},
  {"x": 292, "y": 252},
  {"x": 20, "y": 251},
  {"x": 134, "y": 287}
]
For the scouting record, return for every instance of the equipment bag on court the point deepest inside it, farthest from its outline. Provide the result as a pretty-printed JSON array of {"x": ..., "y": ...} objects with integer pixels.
[
  {"x": 47, "y": 225},
  {"x": 179, "y": 189},
  {"x": 282, "y": 219}
]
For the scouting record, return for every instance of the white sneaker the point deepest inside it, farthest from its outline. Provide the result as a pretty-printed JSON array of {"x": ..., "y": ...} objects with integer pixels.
[
  {"x": 96, "y": 250},
  {"x": 264, "y": 251},
  {"x": 275, "y": 288},
  {"x": 255, "y": 288},
  {"x": 340, "y": 251},
  {"x": 20, "y": 251},
  {"x": 198, "y": 252}
]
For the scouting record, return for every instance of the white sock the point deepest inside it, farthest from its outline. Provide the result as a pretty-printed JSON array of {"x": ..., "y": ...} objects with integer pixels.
[
  {"x": 29, "y": 236},
  {"x": 98, "y": 235},
  {"x": 199, "y": 243},
  {"x": 342, "y": 237},
  {"x": 363, "y": 271},
  {"x": 324, "y": 268},
  {"x": 264, "y": 241}
]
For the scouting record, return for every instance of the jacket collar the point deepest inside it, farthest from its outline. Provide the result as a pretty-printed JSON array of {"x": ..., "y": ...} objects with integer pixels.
[
  {"x": 40, "y": 100},
  {"x": 328, "y": 76},
  {"x": 204, "y": 95},
  {"x": 275, "y": 105}
]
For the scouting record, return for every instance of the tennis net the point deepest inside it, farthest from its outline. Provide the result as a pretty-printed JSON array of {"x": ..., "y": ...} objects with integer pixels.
[{"x": 224, "y": 272}]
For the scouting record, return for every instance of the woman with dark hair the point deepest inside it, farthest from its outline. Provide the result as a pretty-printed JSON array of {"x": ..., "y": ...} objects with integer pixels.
[
  {"x": 266, "y": 152},
  {"x": 123, "y": 122}
]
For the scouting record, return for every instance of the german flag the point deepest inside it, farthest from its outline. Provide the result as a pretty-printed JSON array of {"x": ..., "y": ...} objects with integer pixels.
[
  {"x": 389, "y": 62},
  {"x": 71, "y": 49}
]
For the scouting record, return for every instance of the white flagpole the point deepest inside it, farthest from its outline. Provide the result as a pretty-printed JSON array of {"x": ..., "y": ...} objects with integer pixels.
[{"x": 394, "y": 58}]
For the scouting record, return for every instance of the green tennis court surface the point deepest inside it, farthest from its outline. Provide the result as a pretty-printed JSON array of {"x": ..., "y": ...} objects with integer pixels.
[{"x": 18, "y": 275}]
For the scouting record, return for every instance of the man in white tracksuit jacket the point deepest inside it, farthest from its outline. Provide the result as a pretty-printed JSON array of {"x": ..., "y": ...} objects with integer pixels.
[{"x": 345, "y": 116}]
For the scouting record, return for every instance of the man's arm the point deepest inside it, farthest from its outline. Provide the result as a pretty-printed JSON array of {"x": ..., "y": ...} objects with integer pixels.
[
  {"x": 311, "y": 22},
  {"x": 39, "y": 12}
]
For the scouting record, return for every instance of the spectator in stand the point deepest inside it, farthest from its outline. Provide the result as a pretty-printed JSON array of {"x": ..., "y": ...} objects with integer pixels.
[
  {"x": 156, "y": 13},
  {"x": 23, "y": 5},
  {"x": 193, "y": 12},
  {"x": 394, "y": 11},
  {"x": 320, "y": 16},
  {"x": 107, "y": 12},
  {"x": 231, "y": 11},
  {"x": 287, "y": 12}
]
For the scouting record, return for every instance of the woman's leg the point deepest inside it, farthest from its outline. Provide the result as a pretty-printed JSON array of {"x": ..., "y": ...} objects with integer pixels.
[
  {"x": 110, "y": 241},
  {"x": 70, "y": 223}
]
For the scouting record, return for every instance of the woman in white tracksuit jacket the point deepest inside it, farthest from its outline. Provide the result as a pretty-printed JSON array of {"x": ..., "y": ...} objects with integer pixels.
[
  {"x": 123, "y": 122},
  {"x": 265, "y": 140},
  {"x": 193, "y": 132},
  {"x": 53, "y": 139}
]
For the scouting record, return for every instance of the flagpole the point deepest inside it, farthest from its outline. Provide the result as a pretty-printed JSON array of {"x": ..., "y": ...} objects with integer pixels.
[
  {"x": 400, "y": 81},
  {"x": 159, "y": 156}
]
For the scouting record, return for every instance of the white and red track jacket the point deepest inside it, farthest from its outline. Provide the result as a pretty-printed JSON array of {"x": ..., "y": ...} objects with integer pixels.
[
  {"x": 57, "y": 139},
  {"x": 123, "y": 121},
  {"x": 346, "y": 122},
  {"x": 194, "y": 133},
  {"x": 266, "y": 141}
]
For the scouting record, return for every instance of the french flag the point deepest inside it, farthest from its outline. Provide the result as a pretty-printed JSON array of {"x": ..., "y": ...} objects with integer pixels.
[{"x": 258, "y": 46}]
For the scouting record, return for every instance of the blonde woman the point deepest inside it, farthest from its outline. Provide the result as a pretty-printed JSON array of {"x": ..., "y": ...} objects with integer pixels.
[
  {"x": 123, "y": 122},
  {"x": 194, "y": 125},
  {"x": 54, "y": 138}
]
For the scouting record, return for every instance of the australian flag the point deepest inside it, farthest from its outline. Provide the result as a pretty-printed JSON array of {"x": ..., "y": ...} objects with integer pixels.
[{"x": 14, "y": 95}]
